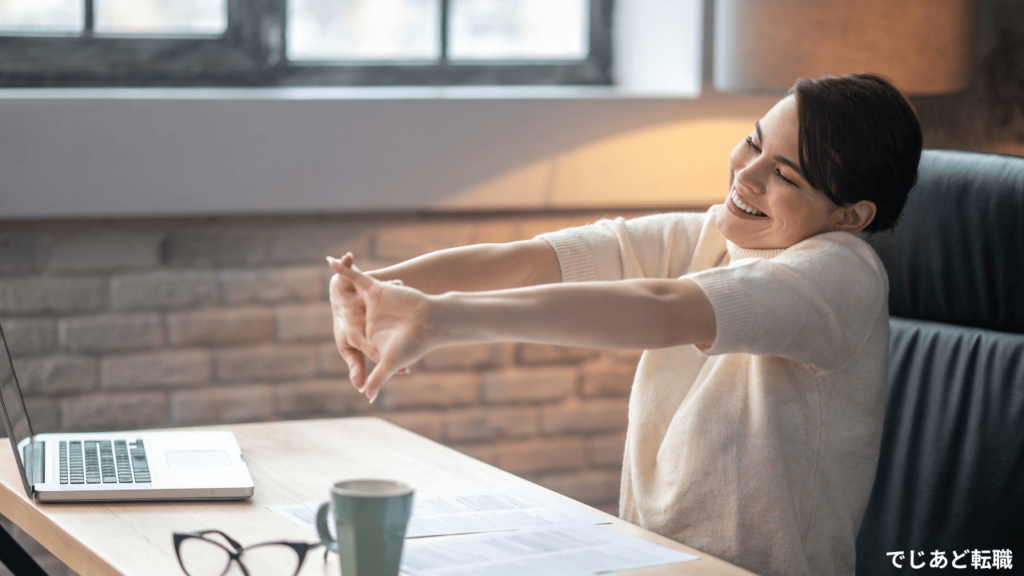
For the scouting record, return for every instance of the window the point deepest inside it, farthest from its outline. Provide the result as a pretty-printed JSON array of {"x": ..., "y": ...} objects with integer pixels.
[{"x": 303, "y": 42}]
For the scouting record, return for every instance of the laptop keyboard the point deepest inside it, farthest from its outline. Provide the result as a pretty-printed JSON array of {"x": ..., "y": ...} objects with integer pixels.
[{"x": 103, "y": 461}]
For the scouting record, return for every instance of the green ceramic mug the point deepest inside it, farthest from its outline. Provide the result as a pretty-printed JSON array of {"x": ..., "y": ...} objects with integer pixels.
[{"x": 370, "y": 517}]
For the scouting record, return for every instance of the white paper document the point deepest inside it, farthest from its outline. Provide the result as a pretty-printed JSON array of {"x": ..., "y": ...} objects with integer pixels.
[
  {"x": 469, "y": 512},
  {"x": 567, "y": 550}
]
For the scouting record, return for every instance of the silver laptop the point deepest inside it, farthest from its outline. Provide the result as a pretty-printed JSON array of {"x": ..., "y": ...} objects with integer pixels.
[{"x": 118, "y": 466}]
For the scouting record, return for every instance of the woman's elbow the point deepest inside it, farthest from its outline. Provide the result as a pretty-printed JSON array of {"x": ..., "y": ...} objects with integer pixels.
[{"x": 686, "y": 315}]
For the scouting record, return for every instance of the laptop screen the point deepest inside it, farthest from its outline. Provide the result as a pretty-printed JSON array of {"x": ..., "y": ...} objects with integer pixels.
[{"x": 14, "y": 412}]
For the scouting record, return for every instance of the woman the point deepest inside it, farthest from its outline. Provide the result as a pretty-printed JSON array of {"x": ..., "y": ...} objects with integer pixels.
[{"x": 756, "y": 411}]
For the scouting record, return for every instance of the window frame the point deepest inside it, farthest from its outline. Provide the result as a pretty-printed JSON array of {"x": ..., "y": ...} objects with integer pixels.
[{"x": 251, "y": 52}]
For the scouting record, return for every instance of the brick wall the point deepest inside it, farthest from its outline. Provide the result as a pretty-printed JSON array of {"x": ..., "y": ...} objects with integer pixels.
[{"x": 152, "y": 323}]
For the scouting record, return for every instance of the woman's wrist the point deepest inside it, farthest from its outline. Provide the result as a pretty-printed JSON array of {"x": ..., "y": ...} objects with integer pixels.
[{"x": 445, "y": 320}]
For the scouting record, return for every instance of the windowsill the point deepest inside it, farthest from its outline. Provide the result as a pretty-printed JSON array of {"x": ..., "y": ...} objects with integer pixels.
[
  {"x": 350, "y": 93},
  {"x": 115, "y": 152}
]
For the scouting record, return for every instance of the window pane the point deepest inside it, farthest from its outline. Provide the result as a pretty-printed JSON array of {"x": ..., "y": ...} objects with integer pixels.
[
  {"x": 518, "y": 29},
  {"x": 42, "y": 16},
  {"x": 161, "y": 16},
  {"x": 363, "y": 30}
]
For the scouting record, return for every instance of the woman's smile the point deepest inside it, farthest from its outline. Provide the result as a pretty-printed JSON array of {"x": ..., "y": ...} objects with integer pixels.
[{"x": 737, "y": 205}]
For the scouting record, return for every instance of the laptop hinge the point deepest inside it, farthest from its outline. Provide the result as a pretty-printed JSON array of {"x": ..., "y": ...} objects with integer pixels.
[{"x": 35, "y": 462}]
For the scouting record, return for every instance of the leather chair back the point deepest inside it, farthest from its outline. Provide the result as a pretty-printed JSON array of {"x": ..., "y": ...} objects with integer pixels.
[{"x": 951, "y": 472}]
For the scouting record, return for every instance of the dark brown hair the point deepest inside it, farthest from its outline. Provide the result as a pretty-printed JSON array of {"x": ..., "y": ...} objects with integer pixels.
[{"x": 859, "y": 139}]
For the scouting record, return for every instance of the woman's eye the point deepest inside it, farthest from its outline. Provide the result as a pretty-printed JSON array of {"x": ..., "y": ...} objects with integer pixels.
[
  {"x": 751, "y": 145},
  {"x": 783, "y": 178}
]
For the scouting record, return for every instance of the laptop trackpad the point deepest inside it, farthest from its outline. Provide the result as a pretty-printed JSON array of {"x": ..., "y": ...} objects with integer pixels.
[{"x": 197, "y": 458}]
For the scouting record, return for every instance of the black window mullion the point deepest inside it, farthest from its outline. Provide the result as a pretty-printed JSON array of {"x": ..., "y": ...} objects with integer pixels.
[
  {"x": 444, "y": 31},
  {"x": 90, "y": 17},
  {"x": 599, "y": 53}
]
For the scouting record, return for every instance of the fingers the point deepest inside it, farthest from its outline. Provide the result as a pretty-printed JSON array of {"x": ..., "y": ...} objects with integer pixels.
[
  {"x": 340, "y": 284},
  {"x": 356, "y": 366},
  {"x": 347, "y": 260},
  {"x": 349, "y": 310},
  {"x": 339, "y": 292},
  {"x": 378, "y": 376},
  {"x": 346, "y": 269}
]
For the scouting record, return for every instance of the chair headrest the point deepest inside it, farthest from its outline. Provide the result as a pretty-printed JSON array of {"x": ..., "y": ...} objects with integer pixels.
[{"x": 957, "y": 254}]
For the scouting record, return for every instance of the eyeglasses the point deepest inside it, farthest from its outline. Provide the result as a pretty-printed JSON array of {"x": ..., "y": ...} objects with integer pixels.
[{"x": 201, "y": 555}]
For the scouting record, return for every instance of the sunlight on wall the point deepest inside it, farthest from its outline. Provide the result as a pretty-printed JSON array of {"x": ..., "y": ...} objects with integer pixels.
[{"x": 683, "y": 163}]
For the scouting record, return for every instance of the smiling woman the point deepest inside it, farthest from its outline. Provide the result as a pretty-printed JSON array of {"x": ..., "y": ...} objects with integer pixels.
[
  {"x": 770, "y": 203},
  {"x": 756, "y": 412},
  {"x": 814, "y": 165}
]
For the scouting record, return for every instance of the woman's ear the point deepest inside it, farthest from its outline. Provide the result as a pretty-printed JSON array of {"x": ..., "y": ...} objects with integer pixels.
[{"x": 855, "y": 217}]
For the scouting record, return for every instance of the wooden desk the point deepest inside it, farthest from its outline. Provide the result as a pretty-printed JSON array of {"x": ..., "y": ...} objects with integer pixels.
[{"x": 290, "y": 462}]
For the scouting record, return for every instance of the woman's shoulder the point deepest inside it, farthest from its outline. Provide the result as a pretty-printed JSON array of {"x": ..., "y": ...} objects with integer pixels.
[
  {"x": 839, "y": 252},
  {"x": 662, "y": 227}
]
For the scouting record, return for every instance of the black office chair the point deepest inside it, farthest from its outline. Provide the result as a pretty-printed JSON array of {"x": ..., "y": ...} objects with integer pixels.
[{"x": 951, "y": 473}]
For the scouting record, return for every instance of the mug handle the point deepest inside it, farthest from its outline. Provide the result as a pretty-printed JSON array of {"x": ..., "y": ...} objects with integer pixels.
[{"x": 321, "y": 527}]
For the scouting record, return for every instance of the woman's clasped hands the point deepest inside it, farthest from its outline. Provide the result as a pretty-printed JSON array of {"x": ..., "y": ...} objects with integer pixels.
[{"x": 385, "y": 322}]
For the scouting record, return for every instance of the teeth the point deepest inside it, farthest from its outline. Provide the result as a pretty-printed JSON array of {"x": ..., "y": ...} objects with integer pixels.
[{"x": 739, "y": 204}]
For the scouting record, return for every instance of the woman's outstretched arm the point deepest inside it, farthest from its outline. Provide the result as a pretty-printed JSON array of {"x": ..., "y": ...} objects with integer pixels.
[
  {"x": 403, "y": 324},
  {"x": 467, "y": 269},
  {"x": 479, "y": 267},
  {"x": 633, "y": 314}
]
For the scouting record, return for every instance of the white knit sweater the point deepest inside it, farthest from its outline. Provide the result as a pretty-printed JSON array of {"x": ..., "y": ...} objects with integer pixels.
[{"x": 761, "y": 449}]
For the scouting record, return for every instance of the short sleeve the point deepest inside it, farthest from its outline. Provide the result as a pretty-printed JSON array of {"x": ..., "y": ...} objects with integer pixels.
[
  {"x": 656, "y": 246},
  {"x": 815, "y": 303}
]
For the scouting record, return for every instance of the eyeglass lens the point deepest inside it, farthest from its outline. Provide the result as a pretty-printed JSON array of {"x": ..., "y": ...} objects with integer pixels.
[
  {"x": 271, "y": 560},
  {"x": 201, "y": 557}
]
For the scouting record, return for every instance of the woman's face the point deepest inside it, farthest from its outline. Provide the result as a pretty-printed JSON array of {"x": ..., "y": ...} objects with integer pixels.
[{"x": 765, "y": 179}]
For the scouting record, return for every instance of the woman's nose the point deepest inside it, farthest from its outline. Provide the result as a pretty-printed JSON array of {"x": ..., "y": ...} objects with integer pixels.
[{"x": 752, "y": 178}]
